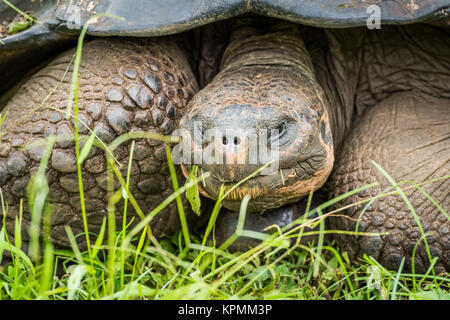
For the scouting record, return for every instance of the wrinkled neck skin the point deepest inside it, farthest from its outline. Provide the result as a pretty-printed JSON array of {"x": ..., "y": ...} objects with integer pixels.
[
  {"x": 278, "y": 46},
  {"x": 266, "y": 81},
  {"x": 337, "y": 61}
]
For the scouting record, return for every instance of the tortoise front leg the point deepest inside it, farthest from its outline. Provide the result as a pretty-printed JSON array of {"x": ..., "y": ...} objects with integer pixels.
[
  {"x": 408, "y": 135},
  {"x": 125, "y": 85}
]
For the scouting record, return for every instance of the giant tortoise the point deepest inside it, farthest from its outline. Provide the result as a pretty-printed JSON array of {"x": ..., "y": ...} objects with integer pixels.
[{"x": 343, "y": 102}]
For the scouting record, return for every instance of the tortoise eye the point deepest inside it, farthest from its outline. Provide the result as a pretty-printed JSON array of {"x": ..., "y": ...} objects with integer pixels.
[{"x": 278, "y": 132}]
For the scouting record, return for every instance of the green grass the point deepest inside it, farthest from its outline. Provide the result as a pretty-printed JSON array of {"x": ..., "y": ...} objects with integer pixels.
[
  {"x": 132, "y": 264},
  {"x": 124, "y": 262},
  {"x": 170, "y": 269}
]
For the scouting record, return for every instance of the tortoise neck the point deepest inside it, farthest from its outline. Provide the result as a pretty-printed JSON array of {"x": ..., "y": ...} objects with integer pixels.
[{"x": 277, "y": 44}]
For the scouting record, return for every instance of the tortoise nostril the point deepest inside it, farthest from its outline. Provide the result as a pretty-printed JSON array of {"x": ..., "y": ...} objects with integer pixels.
[{"x": 236, "y": 141}]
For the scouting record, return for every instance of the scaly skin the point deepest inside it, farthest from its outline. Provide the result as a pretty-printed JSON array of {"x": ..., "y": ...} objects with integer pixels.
[
  {"x": 403, "y": 94},
  {"x": 125, "y": 85},
  {"x": 406, "y": 134}
]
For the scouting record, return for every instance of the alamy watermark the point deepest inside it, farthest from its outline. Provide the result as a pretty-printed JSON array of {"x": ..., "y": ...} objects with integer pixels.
[
  {"x": 73, "y": 13},
  {"x": 374, "y": 19},
  {"x": 78, "y": 12}
]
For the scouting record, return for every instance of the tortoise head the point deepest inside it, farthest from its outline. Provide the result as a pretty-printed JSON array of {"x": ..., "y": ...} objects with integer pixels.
[
  {"x": 264, "y": 117},
  {"x": 265, "y": 109}
]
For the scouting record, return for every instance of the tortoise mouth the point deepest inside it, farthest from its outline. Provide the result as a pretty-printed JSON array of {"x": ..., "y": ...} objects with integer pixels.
[
  {"x": 256, "y": 186},
  {"x": 266, "y": 191}
]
